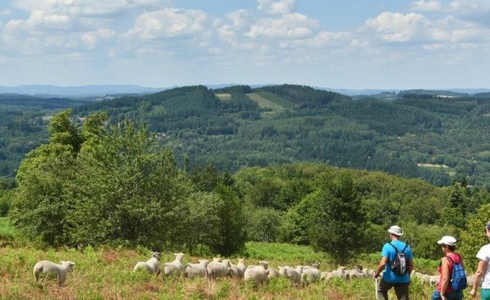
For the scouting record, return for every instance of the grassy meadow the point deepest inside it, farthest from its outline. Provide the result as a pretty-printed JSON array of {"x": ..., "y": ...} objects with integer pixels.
[{"x": 107, "y": 274}]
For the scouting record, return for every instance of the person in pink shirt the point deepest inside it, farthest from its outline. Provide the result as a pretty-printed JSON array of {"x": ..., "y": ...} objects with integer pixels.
[{"x": 445, "y": 269}]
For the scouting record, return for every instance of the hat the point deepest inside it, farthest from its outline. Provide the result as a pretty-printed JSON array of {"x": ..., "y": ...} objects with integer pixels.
[
  {"x": 447, "y": 240},
  {"x": 396, "y": 230}
]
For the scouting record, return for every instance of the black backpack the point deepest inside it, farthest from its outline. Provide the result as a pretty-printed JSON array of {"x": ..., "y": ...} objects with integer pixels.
[{"x": 399, "y": 265}]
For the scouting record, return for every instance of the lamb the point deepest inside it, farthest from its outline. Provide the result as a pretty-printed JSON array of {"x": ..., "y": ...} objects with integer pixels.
[
  {"x": 239, "y": 269},
  {"x": 218, "y": 268},
  {"x": 434, "y": 280},
  {"x": 196, "y": 270},
  {"x": 311, "y": 274},
  {"x": 356, "y": 273},
  {"x": 53, "y": 270},
  {"x": 291, "y": 273},
  {"x": 257, "y": 273},
  {"x": 174, "y": 268},
  {"x": 272, "y": 273},
  {"x": 150, "y": 265},
  {"x": 340, "y": 272}
]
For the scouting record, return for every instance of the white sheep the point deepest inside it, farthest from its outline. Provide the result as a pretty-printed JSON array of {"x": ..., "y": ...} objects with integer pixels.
[
  {"x": 311, "y": 274},
  {"x": 239, "y": 269},
  {"x": 434, "y": 280},
  {"x": 356, "y": 273},
  {"x": 299, "y": 269},
  {"x": 290, "y": 273},
  {"x": 272, "y": 273},
  {"x": 53, "y": 270},
  {"x": 257, "y": 273},
  {"x": 174, "y": 268},
  {"x": 340, "y": 273},
  {"x": 150, "y": 265},
  {"x": 196, "y": 270},
  {"x": 218, "y": 268}
]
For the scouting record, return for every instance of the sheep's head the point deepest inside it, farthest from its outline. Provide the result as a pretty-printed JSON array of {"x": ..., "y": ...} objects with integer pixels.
[
  {"x": 68, "y": 264},
  {"x": 179, "y": 256},
  {"x": 203, "y": 262},
  {"x": 264, "y": 264},
  {"x": 156, "y": 255}
]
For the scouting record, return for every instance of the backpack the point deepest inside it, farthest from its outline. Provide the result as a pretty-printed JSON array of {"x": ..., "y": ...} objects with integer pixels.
[
  {"x": 458, "y": 277},
  {"x": 399, "y": 264}
]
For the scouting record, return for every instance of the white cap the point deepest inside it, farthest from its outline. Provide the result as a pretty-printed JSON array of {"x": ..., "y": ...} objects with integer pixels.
[
  {"x": 447, "y": 240},
  {"x": 396, "y": 230}
]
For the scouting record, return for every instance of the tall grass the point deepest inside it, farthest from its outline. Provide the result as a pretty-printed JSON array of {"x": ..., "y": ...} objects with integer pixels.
[{"x": 107, "y": 274}]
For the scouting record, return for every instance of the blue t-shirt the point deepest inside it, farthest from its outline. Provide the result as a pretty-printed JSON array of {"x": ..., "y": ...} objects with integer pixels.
[{"x": 389, "y": 252}]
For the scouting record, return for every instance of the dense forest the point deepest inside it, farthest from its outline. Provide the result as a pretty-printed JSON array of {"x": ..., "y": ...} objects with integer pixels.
[
  {"x": 436, "y": 136},
  {"x": 416, "y": 135},
  {"x": 276, "y": 164},
  {"x": 102, "y": 184}
]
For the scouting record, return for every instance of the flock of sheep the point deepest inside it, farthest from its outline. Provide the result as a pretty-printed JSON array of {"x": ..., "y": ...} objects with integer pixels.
[{"x": 221, "y": 268}]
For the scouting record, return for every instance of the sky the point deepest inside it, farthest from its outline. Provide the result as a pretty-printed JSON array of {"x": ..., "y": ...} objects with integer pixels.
[{"x": 354, "y": 44}]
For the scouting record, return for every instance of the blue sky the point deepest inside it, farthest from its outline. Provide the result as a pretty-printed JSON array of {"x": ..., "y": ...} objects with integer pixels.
[{"x": 355, "y": 44}]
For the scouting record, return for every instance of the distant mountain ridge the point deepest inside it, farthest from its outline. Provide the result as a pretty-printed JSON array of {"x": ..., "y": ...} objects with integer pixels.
[
  {"x": 45, "y": 90},
  {"x": 77, "y": 91}
]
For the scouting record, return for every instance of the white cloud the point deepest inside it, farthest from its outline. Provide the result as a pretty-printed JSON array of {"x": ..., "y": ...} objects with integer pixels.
[
  {"x": 168, "y": 23},
  {"x": 275, "y": 6},
  {"x": 427, "y": 5},
  {"x": 85, "y": 7},
  {"x": 397, "y": 27},
  {"x": 287, "y": 26},
  {"x": 91, "y": 39}
]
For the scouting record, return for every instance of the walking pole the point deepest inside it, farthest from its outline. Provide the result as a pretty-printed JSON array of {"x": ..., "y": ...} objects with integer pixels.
[{"x": 376, "y": 288}]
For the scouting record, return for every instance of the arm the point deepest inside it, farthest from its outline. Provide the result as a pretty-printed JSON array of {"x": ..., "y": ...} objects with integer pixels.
[
  {"x": 445, "y": 275},
  {"x": 482, "y": 267},
  {"x": 410, "y": 266},
  {"x": 381, "y": 266}
]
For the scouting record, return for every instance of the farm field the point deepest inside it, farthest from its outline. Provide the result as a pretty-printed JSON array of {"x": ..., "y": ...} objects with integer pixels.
[{"x": 107, "y": 274}]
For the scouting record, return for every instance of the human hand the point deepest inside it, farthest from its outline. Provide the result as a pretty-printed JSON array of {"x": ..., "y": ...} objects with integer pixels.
[
  {"x": 375, "y": 275},
  {"x": 473, "y": 292}
]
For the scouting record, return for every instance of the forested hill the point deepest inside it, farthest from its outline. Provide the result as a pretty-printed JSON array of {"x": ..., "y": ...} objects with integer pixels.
[{"x": 434, "y": 136}]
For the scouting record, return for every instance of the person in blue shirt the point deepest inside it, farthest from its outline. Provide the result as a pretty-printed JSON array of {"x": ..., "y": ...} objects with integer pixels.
[{"x": 400, "y": 283}]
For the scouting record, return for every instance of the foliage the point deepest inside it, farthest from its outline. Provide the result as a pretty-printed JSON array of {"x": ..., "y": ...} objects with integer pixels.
[
  {"x": 338, "y": 219},
  {"x": 474, "y": 236},
  {"x": 202, "y": 222},
  {"x": 416, "y": 134},
  {"x": 231, "y": 228},
  {"x": 263, "y": 224},
  {"x": 110, "y": 187},
  {"x": 107, "y": 274}
]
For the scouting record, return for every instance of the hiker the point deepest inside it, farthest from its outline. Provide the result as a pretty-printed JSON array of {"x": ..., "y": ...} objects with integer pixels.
[
  {"x": 444, "y": 290},
  {"x": 396, "y": 264},
  {"x": 482, "y": 272}
]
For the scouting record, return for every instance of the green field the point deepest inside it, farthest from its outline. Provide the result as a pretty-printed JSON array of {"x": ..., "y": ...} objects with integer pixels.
[
  {"x": 270, "y": 101},
  {"x": 107, "y": 274}
]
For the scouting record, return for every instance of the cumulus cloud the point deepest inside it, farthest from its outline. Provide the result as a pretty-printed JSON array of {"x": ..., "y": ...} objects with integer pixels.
[
  {"x": 91, "y": 39},
  {"x": 472, "y": 10},
  {"x": 428, "y": 5},
  {"x": 85, "y": 7},
  {"x": 397, "y": 27},
  {"x": 292, "y": 25},
  {"x": 276, "y": 6},
  {"x": 168, "y": 23}
]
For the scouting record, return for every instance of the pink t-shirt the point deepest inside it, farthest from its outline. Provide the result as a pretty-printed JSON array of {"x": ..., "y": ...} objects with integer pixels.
[{"x": 456, "y": 257}]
